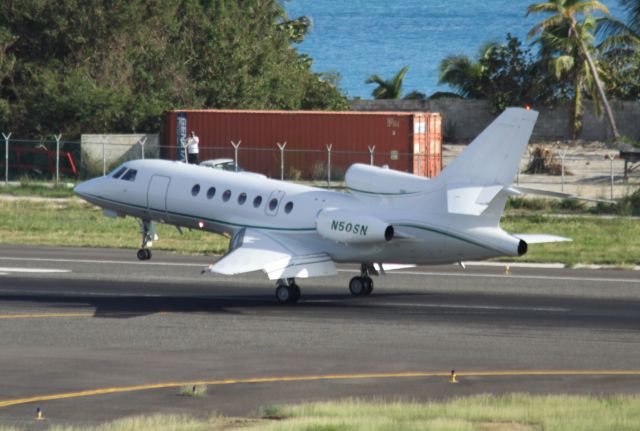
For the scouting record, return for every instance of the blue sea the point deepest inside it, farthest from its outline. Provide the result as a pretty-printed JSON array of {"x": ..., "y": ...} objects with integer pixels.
[{"x": 358, "y": 38}]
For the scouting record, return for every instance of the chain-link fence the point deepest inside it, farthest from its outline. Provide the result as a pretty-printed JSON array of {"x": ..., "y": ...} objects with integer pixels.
[{"x": 586, "y": 171}]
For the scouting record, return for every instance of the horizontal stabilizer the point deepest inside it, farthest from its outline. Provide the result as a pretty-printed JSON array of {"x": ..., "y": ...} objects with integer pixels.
[
  {"x": 534, "y": 238},
  {"x": 551, "y": 194}
]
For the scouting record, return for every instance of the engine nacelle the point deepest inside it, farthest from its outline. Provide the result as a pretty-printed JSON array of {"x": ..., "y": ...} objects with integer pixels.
[{"x": 352, "y": 228}]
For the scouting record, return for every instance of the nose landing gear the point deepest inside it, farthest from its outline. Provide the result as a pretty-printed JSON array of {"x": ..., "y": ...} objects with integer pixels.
[{"x": 148, "y": 231}]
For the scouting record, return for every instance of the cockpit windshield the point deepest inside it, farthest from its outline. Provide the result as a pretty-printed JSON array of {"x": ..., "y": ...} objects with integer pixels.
[
  {"x": 119, "y": 172},
  {"x": 130, "y": 175}
]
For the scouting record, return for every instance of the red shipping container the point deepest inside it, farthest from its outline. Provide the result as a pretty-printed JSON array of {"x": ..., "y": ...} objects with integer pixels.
[{"x": 409, "y": 142}]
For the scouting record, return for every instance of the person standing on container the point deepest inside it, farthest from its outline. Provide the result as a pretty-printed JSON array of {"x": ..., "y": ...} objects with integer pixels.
[{"x": 192, "y": 148}]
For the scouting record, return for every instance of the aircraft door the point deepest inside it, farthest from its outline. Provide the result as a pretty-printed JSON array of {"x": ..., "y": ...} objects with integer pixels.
[
  {"x": 273, "y": 203},
  {"x": 157, "y": 196}
]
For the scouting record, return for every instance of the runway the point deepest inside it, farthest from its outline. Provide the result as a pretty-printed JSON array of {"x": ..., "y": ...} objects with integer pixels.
[{"x": 90, "y": 335}]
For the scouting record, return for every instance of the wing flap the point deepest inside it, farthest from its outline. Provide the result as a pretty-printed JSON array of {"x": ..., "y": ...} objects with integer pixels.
[{"x": 277, "y": 256}]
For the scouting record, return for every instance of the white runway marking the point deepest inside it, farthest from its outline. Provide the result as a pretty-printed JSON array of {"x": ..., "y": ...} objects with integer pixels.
[
  {"x": 522, "y": 277},
  {"x": 478, "y": 307},
  {"x": 462, "y": 272},
  {"x": 6, "y": 270},
  {"x": 118, "y": 262}
]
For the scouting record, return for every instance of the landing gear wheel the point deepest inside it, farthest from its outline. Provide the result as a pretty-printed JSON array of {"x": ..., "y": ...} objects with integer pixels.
[
  {"x": 368, "y": 286},
  {"x": 287, "y": 294},
  {"x": 144, "y": 254},
  {"x": 357, "y": 286},
  {"x": 296, "y": 292}
]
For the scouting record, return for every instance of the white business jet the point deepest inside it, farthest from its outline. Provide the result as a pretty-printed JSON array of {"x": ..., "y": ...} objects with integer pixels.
[{"x": 386, "y": 220}]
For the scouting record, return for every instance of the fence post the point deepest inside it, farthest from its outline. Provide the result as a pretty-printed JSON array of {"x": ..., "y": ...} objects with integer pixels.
[
  {"x": 235, "y": 153},
  {"x": 58, "y": 137},
  {"x": 6, "y": 158},
  {"x": 611, "y": 156},
  {"x": 142, "y": 142},
  {"x": 371, "y": 150},
  {"x": 562, "y": 156},
  {"x": 104, "y": 156},
  {"x": 281, "y": 146},
  {"x": 329, "y": 147}
]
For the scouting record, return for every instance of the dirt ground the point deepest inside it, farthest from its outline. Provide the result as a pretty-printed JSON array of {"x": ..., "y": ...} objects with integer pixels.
[{"x": 588, "y": 170}]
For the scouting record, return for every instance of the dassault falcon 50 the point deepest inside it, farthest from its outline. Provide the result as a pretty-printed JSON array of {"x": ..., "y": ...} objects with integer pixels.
[{"x": 386, "y": 219}]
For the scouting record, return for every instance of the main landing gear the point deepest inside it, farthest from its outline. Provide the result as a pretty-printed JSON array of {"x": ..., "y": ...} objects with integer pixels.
[
  {"x": 287, "y": 291},
  {"x": 148, "y": 231},
  {"x": 363, "y": 284}
]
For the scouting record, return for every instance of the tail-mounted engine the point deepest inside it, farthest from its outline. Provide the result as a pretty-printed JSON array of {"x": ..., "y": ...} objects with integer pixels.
[{"x": 352, "y": 228}]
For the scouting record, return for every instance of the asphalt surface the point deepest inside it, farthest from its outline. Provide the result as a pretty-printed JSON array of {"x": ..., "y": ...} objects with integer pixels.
[{"x": 104, "y": 336}]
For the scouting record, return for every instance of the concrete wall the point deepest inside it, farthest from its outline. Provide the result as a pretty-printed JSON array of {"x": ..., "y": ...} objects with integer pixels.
[
  {"x": 116, "y": 149},
  {"x": 465, "y": 119}
]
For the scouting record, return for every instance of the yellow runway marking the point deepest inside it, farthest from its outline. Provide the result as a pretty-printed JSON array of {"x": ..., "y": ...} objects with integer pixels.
[
  {"x": 44, "y": 315},
  {"x": 122, "y": 389}
]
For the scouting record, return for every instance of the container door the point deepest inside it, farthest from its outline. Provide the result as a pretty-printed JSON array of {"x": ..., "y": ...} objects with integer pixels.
[
  {"x": 419, "y": 145},
  {"x": 273, "y": 203},
  {"x": 157, "y": 196}
]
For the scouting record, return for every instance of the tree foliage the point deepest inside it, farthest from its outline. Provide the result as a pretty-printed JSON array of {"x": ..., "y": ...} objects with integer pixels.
[
  {"x": 388, "y": 88},
  {"x": 506, "y": 74},
  {"x": 75, "y": 66},
  {"x": 572, "y": 25}
]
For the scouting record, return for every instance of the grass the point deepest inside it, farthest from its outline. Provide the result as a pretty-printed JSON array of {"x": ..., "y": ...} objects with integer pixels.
[
  {"x": 514, "y": 412},
  {"x": 78, "y": 224},
  {"x": 38, "y": 190},
  {"x": 193, "y": 390},
  {"x": 597, "y": 240}
]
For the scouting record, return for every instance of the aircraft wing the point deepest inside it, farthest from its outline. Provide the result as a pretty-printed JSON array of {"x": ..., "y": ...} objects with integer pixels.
[{"x": 277, "y": 255}]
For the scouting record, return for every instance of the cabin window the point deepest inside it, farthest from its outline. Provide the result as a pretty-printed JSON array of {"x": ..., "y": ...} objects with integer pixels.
[
  {"x": 226, "y": 195},
  {"x": 257, "y": 201},
  {"x": 195, "y": 190},
  {"x": 211, "y": 192},
  {"x": 242, "y": 198},
  {"x": 130, "y": 175},
  {"x": 288, "y": 207},
  {"x": 273, "y": 204},
  {"x": 119, "y": 172}
]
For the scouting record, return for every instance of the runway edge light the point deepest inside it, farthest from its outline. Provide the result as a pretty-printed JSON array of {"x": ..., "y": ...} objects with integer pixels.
[
  {"x": 39, "y": 415},
  {"x": 454, "y": 377}
]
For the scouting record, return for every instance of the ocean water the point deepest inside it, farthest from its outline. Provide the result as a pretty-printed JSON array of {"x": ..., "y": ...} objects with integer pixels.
[{"x": 358, "y": 38}]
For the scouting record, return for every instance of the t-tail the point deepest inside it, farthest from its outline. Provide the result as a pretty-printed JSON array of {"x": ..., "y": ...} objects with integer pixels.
[
  {"x": 494, "y": 155},
  {"x": 479, "y": 181}
]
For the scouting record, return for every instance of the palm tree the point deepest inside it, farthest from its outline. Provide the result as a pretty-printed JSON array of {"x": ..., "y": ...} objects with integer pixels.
[
  {"x": 464, "y": 74},
  {"x": 562, "y": 57},
  {"x": 622, "y": 35},
  {"x": 566, "y": 14},
  {"x": 390, "y": 88}
]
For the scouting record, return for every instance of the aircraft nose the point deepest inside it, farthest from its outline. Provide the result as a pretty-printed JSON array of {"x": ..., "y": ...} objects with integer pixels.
[{"x": 85, "y": 188}]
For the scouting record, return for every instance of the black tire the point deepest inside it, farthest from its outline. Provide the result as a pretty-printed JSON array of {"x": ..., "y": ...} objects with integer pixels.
[
  {"x": 368, "y": 284},
  {"x": 283, "y": 294},
  {"x": 357, "y": 286},
  {"x": 142, "y": 254},
  {"x": 148, "y": 254},
  {"x": 296, "y": 292}
]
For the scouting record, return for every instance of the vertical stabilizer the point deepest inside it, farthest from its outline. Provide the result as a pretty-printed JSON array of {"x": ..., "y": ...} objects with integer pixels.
[{"x": 494, "y": 156}]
